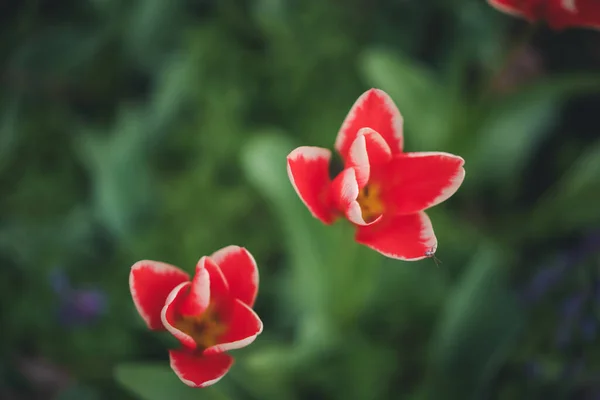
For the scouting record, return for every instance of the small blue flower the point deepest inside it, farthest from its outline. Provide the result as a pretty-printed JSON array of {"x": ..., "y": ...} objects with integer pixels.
[
  {"x": 545, "y": 280},
  {"x": 77, "y": 306}
]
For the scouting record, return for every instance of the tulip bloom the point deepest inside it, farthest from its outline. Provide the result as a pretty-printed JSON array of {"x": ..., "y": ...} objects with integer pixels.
[
  {"x": 381, "y": 190},
  {"x": 559, "y": 14},
  {"x": 209, "y": 314}
]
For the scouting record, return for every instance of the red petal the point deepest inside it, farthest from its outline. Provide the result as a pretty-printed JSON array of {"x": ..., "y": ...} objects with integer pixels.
[
  {"x": 200, "y": 371},
  {"x": 240, "y": 271},
  {"x": 376, "y": 110},
  {"x": 308, "y": 170},
  {"x": 406, "y": 237},
  {"x": 243, "y": 327},
  {"x": 169, "y": 314},
  {"x": 413, "y": 182},
  {"x": 571, "y": 13},
  {"x": 219, "y": 287},
  {"x": 518, "y": 8},
  {"x": 368, "y": 149},
  {"x": 345, "y": 192},
  {"x": 150, "y": 282},
  {"x": 199, "y": 295}
]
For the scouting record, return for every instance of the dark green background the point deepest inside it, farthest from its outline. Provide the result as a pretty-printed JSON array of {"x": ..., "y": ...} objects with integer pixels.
[{"x": 156, "y": 129}]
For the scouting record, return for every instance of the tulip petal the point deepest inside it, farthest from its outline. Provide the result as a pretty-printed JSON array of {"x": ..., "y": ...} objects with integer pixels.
[
  {"x": 368, "y": 149},
  {"x": 198, "y": 297},
  {"x": 240, "y": 271},
  {"x": 243, "y": 327},
  {"x": 518, "y": 8},
  {"x": 200, "y": 371},
  {"x": 414, "y": 182},
  {"x": 150, "y": 283},
  {"x": 406, "y": 237},
  {"x": 219, "y": 287},
  {"x": 169, "y": 314},
  {"x": 345, "y": 191},
  {"x": 308, "y": 170},
  {"x": 376, "y": 110},
  {"x": 571, "y": 13}
]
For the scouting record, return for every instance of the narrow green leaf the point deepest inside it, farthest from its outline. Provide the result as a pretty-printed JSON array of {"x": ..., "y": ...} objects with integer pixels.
[
  {"x": 159, "y": 382},
  {"x": 479, "y": 324},
  {"x": 264, "y": 162},
  {"x": 415, "y": 90},
  {"x": 515, "y": 126},
  {"x": 572, "y": 204},
  {"x": 508, "y": 137}
]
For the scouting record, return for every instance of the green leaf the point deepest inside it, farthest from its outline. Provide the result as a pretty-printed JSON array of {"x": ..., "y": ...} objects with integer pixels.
[
  {"x": 268, "y": 371},
  {"x": 120, "y": 174},
  {"x": 264, "y": 162},
  {"x": 416, "y": 92},
  {"x": 173, "y": 91},
  {"x": 159, "y": 382},
  {"x": 572, "y": 204},
  {"x": 480, "y": 322},
  {"x": 151, "y": 30},
  {"x": 513, "y": 129},
  {"x": 509, "y": 136}
]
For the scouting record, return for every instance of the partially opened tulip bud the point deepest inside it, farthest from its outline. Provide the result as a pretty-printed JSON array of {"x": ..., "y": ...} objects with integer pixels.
[{"x": 209, "y": 314}]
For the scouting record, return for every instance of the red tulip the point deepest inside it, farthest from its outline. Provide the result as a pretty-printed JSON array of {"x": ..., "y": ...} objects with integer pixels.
[
  {"x": 559, "y": 14},
  {"x": 209, "y": 315},
  {"x": 382, "y": 190}
]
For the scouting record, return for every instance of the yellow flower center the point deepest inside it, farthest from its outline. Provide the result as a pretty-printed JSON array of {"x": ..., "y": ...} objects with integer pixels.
[
  {"x": 205, "y": 328},
  {"x": 370, "y": 202}
]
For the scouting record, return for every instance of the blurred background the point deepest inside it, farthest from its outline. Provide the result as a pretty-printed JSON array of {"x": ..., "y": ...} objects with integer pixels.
[{"x": 152, "y": 129}]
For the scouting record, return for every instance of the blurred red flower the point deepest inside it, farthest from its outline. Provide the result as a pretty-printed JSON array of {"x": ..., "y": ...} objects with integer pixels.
[
  {"x": 559, "y": 14},
  {"x": 381, "y": 190},
  {"x": 209, "y": 315}
]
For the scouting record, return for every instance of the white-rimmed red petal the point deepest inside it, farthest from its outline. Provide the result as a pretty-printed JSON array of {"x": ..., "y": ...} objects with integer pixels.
[
  {"x": 240, "y": 271},
  {"x": 368, "y": 149},
  {"x": 358, "y": 159},
  {"x": 200, "y": 371},
  {"x": 344, "y": 190},
  {"x": 308, "y": 170},
  {"x": 406, "y": 237},
  {"x": 570, "y": 6},
  {"x": 414, "y": 182},
  {"x": 150, "y": 282},
  {"x": 170, "y": 311},
  {"x": 571, "y": 13},
  {"x": 219, "y": 287},
  {"x": 513, "y": 7},
  {"x": 376, "y": 110},
  {"x": 198, "y": 297},
  {"x": 243, "y": 326}
]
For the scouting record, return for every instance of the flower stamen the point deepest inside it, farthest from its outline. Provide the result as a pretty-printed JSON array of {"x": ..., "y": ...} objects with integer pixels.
[
  {"x": 205, "y": 328},
  {"x": 370, "y": 202}
]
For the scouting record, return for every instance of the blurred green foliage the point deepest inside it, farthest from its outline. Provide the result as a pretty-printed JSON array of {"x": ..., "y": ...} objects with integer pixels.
[{"x": 159, "y": 129}]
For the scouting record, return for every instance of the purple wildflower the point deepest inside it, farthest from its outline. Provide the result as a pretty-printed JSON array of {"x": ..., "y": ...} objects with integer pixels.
[{"x": 77, "y": 306}]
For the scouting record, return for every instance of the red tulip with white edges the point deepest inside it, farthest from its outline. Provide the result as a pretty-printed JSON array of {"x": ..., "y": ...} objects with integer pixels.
[
  {"x": 209, "y": 314},
  {"x": 382, "y": 190}
]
